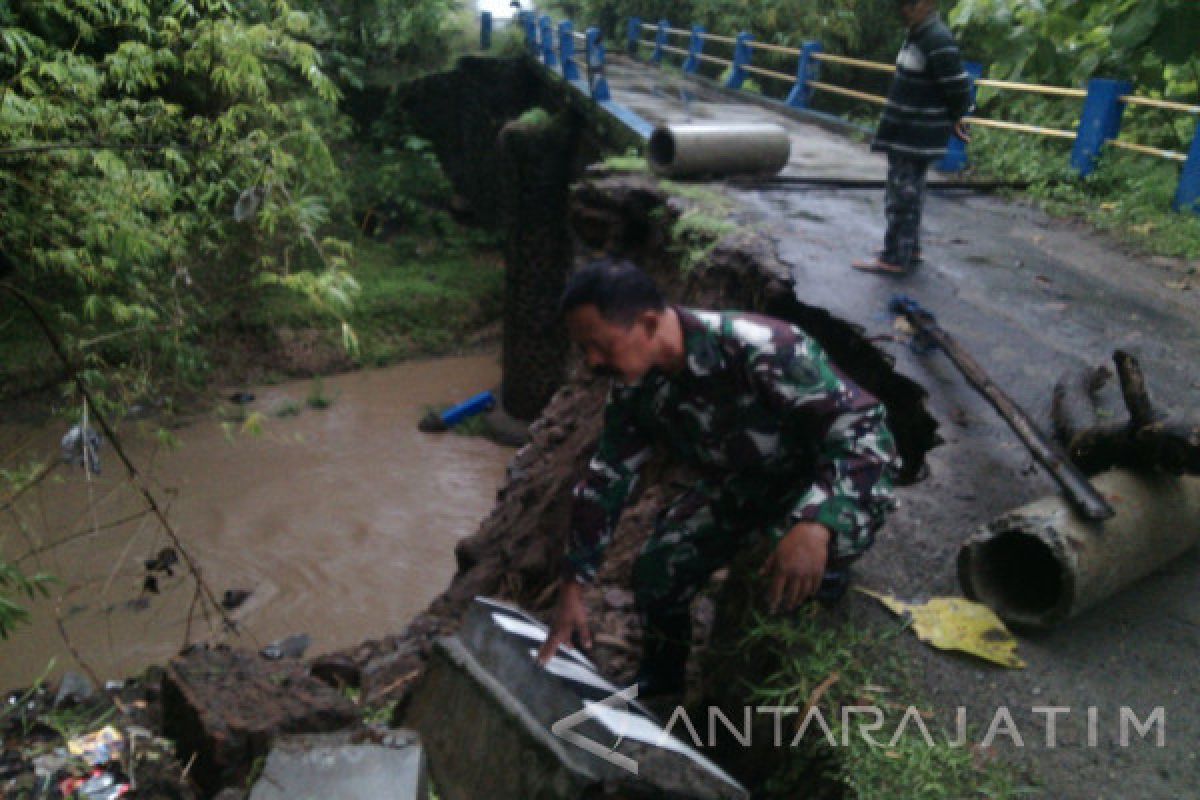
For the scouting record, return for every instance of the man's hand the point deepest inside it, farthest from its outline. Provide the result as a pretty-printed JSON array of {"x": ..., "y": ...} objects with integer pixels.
[
  {"x": 570, "y": 618},
  {"x": 963, "y": 131},
  {"x": 796, "y": 565}
]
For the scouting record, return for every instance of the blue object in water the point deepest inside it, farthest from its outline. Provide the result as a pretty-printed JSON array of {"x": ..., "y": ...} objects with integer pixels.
[{"x": 484, "y": 401}]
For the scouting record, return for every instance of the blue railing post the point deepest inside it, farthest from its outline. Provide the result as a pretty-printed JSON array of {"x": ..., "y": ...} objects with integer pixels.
[
  {"x": 742, "y": 52},
  {"x": 485, "y": 30},
  {"x": 531, "y": 32},
  {"x": 634, "y": 36},
  {"x": 807, "y": 69},
  {"x": 660, "y": 39},
  {"x": 566, "y": 50},
  {"x": 1100, "y": 122},
  {"x": 695, "y": 48},
  {"x": 547, "y": 30},
  {"x": 597, "y": 82},
  {"x": 955, "y": 159},
  {"x": 1187, "y": 196}
]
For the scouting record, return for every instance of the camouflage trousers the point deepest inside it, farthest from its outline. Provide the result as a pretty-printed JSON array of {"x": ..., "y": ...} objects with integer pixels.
[
  {"x": 705, "y": 527},
  {"x": 904, "y": 200}
]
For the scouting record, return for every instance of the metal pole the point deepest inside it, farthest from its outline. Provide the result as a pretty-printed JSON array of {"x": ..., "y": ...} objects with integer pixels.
[
  {"x": 955, "y": 159},
  {"x": 485, "y": 30},
  {"x": 1100, "y": 122},
  {"x": 597, "y": 81},
  {"x": 807, "y": 69},
  {"x": 547, "y": 36},
  {"x": 566, "y": 50},
  {"x": 660, "y": 39},
  {"x": 1187, "y": 196},
  {"x": 695, "y": 48},
  {"x": 742, "y": 53}
]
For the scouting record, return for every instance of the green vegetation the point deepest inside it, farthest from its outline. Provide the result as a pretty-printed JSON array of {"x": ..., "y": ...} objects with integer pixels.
[
  {"x": 832, "y": 666},
  {"x": 288, "y": 408},
  {"x": 1065, "y": 43},
  {"x": 173, "y": 170},
  {"x": 535, "y": 118},
  {"x": 177, "y": 175},
  {"x": 703, "y": 222},
  {"x": 630, "y": 162},
  {"x": 14, "y": 585}
]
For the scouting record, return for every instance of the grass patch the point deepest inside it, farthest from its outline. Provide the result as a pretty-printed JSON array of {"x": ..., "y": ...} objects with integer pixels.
[
  {"x": 1128, "y": 195},
  {"x": 836, "y": 666},
  {"x": 630, "y": 162},
  {"x": 702, "y": 224},
  {"x": 288, "y": 408},
  {"x": 536, "y": 117},
  {"x": 318, "y": 399},
  {"x": 425, "y": 280}
]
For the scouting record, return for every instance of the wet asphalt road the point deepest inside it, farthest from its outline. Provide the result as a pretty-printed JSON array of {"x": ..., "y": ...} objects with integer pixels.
[{"x": 1030, "y": 297}]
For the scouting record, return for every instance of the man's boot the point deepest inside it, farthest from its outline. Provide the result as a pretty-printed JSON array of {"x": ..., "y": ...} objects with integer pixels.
[{"x": 665, "y": 646}]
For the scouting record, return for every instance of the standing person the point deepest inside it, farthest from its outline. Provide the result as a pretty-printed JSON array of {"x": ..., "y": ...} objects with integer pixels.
[
  {"x": 787, "y": 447},
  {"x": 930, "y": 94}
]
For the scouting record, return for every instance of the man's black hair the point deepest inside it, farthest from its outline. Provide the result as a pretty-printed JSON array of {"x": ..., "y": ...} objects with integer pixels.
[{"x": 616, "y": 287}]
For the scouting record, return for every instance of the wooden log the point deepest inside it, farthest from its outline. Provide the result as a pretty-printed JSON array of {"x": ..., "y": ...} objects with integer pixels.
[
  {"x": 1133, "y": 389},
  {"x": 1146, "y": 442},
  {"x": 1073, "y": 406},
  {"x": 1074, "y": 483}
]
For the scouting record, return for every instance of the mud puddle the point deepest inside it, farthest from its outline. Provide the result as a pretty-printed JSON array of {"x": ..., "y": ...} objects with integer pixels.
[{"x": 341, "y": 522}]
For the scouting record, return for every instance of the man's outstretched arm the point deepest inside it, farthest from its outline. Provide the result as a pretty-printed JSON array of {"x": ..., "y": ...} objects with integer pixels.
[{"x": 598, "y": 500}]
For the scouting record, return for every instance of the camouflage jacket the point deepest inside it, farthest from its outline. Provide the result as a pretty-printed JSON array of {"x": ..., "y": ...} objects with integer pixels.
[{"x": 759, "y": 410}]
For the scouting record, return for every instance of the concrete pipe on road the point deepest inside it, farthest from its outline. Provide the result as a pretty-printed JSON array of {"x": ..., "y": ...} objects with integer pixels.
[
  {"x": 681, "y": 151},
  {"x": 1044, "y": 563}
]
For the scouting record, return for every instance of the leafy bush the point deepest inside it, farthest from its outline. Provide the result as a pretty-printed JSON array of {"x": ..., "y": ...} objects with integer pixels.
[{"x": 161, "y": 162}]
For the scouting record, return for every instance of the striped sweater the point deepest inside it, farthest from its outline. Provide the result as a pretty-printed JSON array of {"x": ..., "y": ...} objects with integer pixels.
[{"x": 929, "y": 93}]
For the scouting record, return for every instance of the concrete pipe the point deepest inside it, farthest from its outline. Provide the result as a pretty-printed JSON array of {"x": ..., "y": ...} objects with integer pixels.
[
  {"x": 1044, "y": 563},
  {"x": 680, "y": 151}
]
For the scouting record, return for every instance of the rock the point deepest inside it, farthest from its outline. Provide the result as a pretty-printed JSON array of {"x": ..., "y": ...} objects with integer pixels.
[
  {"x": 288, "y": 647},
  {"x": 233, "y": 599},
  {"x": 337, "y": 670},
  {"x": 618, "y": 599},
  {"x": 225, "y": 706},
  {"x": 336, "y": 766},
  {"x": 390, "y": 674},
  {"x": 74, "y": 689}
]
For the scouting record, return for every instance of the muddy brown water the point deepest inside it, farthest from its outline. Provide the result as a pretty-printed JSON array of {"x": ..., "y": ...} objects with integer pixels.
[{"x": 341, "y": 522}]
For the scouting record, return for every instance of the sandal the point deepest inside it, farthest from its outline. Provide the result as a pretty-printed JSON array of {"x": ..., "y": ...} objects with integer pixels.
[{"x": 880, "y": 268}]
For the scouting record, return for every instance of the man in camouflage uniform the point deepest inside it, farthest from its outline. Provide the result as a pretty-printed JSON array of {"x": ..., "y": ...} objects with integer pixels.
[{"x": 787, "y": 446}]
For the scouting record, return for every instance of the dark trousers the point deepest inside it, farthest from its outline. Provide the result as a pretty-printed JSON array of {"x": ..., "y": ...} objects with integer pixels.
[{"x": 904, "y": 198}]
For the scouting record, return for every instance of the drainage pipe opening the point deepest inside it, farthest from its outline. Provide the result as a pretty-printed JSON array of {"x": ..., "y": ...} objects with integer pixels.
[{"x": 1019, "y": 576}]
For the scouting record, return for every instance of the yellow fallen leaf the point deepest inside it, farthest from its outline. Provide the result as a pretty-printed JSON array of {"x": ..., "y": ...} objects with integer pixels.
[{"x": 955, "y": 623}]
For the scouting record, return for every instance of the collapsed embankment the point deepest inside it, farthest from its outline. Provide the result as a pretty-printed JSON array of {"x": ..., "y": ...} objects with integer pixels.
[{"x": 516, "y": 552}]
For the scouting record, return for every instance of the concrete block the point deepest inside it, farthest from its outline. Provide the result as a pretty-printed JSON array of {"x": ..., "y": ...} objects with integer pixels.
[
  {"x": 226, "y": 706},
  {"x": 321, "y": 766},
  {"x": 495, "y": 724}
]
